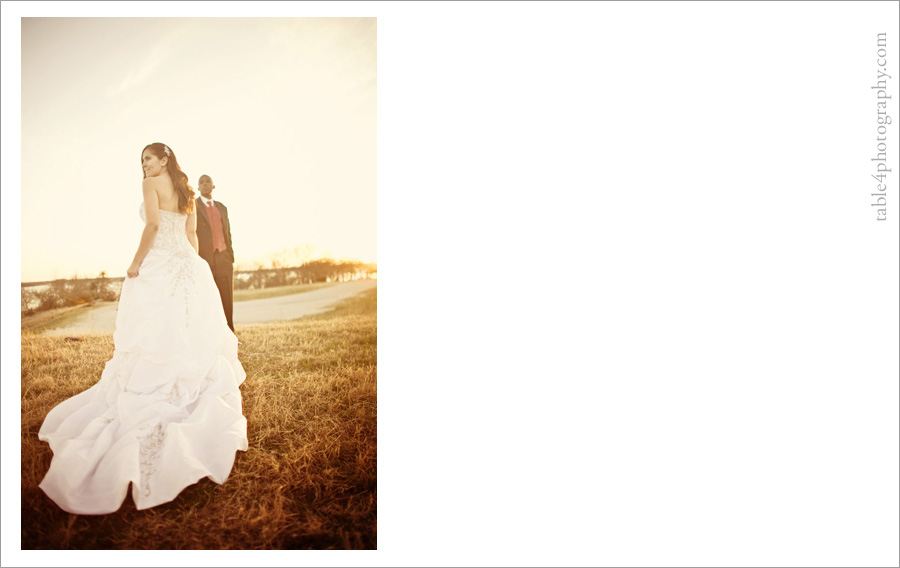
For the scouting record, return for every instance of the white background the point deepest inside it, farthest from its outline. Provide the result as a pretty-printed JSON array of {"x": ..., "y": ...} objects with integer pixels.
[{"x": 634, "y": 305}]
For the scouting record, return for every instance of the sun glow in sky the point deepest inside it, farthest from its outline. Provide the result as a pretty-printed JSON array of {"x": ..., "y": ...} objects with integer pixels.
[{"x": 280, "y": 112}]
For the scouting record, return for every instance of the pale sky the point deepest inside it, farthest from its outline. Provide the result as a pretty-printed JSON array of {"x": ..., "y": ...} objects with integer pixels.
[{"x": 280, "y": 112}]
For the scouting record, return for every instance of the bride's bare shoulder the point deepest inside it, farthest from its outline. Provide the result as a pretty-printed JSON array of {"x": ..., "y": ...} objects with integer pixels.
[
  {"x": 151, "y": 183},
  {"x": 155, "y": 182},
  {"x": 158, "y": 185}
]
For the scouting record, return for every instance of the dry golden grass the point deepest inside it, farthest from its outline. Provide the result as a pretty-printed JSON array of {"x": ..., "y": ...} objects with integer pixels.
[{"x": 308, "y": 480}]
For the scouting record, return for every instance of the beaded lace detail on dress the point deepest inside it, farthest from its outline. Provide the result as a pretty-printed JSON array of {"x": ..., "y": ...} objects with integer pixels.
[
  {"x": 151, "y": 442},
  {"x": 171, "y": 236},
  {"x": 172, "y": 239}
]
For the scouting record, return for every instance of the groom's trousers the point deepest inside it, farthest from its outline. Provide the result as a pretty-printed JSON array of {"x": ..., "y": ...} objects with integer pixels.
[{"x": 223, "y": 273}]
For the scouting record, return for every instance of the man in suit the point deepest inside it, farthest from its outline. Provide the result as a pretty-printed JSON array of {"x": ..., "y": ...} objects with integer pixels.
[{"x": 214, "y": 238}]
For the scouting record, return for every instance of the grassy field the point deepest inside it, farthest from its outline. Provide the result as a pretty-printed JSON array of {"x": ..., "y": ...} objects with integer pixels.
[{"x": 308, "y": 480}]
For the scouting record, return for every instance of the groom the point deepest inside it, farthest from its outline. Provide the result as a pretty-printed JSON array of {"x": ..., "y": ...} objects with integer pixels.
[{"x": 214, "y": 237}]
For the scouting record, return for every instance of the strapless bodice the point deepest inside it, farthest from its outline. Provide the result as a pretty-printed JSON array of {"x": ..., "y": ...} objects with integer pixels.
[{"x": 171, "y": 236}]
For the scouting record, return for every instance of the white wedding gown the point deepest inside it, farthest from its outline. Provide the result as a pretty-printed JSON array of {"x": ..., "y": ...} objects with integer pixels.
[{"x": 166, "y": 411}]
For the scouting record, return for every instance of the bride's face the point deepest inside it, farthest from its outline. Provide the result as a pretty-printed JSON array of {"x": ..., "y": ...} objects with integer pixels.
[{"x": 152, "y": 165}]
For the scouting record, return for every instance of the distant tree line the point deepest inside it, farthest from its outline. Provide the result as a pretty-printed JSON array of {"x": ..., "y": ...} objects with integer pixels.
[
  {"x": 322, "y": 270},
  {"x": 72, "y": 292},
  {"x": 42, "y": 296}
]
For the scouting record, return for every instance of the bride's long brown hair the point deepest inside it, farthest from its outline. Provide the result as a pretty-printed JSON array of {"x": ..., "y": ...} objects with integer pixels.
[{"x": 184, "y": 191}]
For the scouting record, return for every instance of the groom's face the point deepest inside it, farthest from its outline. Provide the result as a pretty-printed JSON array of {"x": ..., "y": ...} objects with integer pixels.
[{"x": 206, "y": 187}]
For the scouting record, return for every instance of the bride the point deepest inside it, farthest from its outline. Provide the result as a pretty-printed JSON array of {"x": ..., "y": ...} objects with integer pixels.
[{"x": 166, "y": 411}]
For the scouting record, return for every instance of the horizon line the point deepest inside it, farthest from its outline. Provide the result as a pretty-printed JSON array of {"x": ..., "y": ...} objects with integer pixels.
[{"x": 76, "y": 276}]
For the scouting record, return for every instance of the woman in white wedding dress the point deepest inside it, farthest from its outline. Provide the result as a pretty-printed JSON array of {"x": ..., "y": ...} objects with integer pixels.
[{"x": 166, "y": 411}]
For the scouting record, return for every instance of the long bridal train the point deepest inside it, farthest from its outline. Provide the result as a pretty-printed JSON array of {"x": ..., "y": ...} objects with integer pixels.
[{"x": 166, "y": 411}]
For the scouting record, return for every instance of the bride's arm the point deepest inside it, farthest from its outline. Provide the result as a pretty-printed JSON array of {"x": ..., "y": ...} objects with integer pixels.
[
  {"x": 190, "y": 228},
  {"x": 151, "y": 210}
]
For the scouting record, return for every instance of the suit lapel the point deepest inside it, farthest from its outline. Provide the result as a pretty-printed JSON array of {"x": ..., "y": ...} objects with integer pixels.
[{"x": 202, "y": 211}]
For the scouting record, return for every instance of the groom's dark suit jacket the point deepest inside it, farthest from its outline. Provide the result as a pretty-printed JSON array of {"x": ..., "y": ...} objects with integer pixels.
[
  {"x": 221, "y": 264},
  {"x": 204, "y": 230}
]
